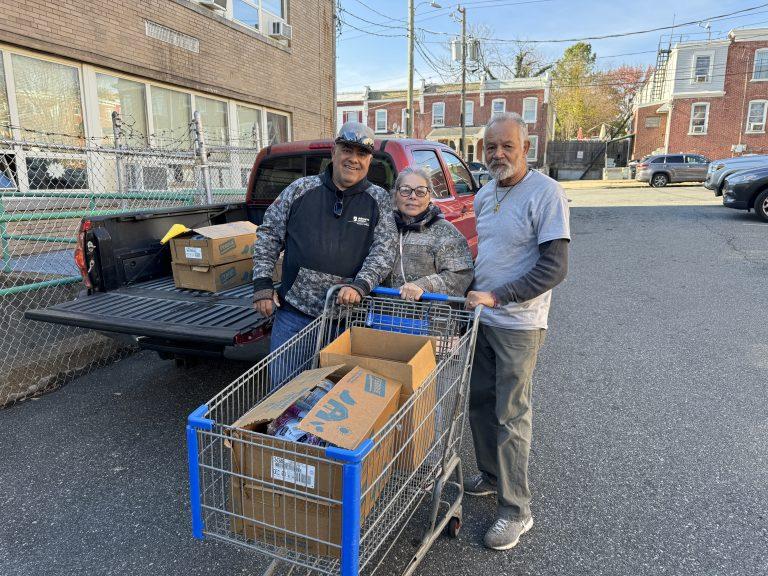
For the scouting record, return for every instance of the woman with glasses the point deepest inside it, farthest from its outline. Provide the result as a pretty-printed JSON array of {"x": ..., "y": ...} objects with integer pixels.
[{"x": 432, "y": 255}]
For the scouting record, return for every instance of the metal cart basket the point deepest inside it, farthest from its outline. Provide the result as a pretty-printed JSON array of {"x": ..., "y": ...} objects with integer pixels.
[{"x": 329, "y": 510}]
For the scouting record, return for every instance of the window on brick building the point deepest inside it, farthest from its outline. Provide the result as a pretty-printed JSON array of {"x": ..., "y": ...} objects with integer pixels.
[
  {"x": 498, "y": 106},
  {"x": 530, "y": 106},
  {"x": 533, "y": 151},
  {"x": 702, "y": 68},
  {"x": 128, "y": 99},
  {"x": 48, "y": 98},
  {"x": 469, "y": 113},
  {"x": 699, "y": 118},
  {"x": 171, "y": 115},
  {"x": 249, "y": 127},
  {"x": 213, "y": 115},
  {"x": 277, "y": 128},
  {"x": 438, "y": 114},
  {"x": 653, "y": 121},
  {"x": 381, "y": 120},
  {"x": 756, "y": 116},
  {"x": 351, "y": 116},
  {"x": 5, "y": 113},
  {"x": 761, "y": 65},
  {"x": 246, "y": 12}
]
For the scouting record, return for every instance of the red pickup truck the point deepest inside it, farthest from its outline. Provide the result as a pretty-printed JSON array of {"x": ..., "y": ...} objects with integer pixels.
[{"x": 129, "y": 289}]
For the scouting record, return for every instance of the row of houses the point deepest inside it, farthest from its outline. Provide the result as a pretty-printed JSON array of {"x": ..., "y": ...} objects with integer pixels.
[
  {"x": 706, "y": 97},
  {"x": 437, "y": 112}
]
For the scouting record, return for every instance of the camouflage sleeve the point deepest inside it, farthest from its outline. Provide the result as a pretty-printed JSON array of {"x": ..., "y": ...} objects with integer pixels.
[
  {"x": 378, "y": 264},
  {"x": 270, "y": 237},
  {"x": 453, "y": 262}
]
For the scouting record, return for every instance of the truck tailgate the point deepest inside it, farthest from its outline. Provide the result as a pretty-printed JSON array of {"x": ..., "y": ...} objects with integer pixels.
[{"x": 158, "y": 309}]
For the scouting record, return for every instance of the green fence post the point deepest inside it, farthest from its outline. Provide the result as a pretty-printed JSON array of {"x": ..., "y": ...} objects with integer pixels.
[{"x": 6, "y": 250}]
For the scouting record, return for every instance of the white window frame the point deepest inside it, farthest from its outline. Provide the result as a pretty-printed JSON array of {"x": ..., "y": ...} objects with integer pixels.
[
  {"x": 765, "y": 113},
  {"x": 535, "y": 101},
  {"x": 435, "y": 123},
  {"x": 754, "y": 66},
  {"x": 534, "y": 140},
  {"x": 708, "y": 79},
  {"x": 383, "y": 114},
  {"x": 503, "y": 105},
  {"x": 469, "y": 113},
  {"x": 256, "y": 5},
  {"x": 706, "y": 119}
]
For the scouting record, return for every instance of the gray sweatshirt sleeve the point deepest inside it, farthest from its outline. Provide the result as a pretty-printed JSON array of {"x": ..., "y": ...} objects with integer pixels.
[
  {"x": 453, "y": 263},
  {"x": 550, "y": 269}
]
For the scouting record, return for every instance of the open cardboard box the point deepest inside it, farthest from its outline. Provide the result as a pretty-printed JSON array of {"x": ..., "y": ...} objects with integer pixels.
[
  {"x": 405, "y": 358},
  {"x": 214, "y": 245},
  {"x": 278, "y": 487}
]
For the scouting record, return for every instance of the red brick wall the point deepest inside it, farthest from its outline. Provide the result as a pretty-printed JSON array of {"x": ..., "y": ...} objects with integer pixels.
[
  {"x": 647, "y": 140},
  {"x": 232, "y": 62},
  {"x": 727, "y": 114}
]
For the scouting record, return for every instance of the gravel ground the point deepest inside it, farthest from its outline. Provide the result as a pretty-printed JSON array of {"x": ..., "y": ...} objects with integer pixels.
[{"x": 650, "y": 450}]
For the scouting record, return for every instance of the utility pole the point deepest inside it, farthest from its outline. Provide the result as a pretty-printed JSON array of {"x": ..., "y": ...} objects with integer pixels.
[
  {"x": 462, "y": 141},
  {"x": 409, "y": 106}
]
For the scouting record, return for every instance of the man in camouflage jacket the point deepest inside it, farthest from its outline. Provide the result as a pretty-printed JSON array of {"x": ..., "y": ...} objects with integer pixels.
[{"x": 335, "y": 228}]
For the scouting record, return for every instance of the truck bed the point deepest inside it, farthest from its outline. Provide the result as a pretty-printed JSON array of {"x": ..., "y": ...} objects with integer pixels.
[{"x": 157, "y": 309}]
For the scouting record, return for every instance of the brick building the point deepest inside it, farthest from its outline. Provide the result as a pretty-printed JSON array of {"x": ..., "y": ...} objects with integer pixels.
[
  {"x": 259, "y": 71},
  {"x": 437, "y": 112},
  {"x": 709, "y": 98}
]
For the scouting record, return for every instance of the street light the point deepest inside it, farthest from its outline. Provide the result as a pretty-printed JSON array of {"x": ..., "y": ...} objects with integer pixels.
[{"x": 409, "y": 104}]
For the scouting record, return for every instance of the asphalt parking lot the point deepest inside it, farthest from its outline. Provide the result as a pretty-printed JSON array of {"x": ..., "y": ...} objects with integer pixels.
[{"x": 650, "y": 450}]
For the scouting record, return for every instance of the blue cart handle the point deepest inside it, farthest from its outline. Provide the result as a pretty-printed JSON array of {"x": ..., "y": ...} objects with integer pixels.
[{"x": 426, "y": 296}]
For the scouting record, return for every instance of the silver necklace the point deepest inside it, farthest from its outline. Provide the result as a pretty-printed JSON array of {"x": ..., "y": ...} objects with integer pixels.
[{"x": 496, "y": 192}]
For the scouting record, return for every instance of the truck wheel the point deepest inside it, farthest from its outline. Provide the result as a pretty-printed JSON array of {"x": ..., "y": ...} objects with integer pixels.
[
  {"x": 659, "y": 180},
  {"x": 761, "y": 206}
]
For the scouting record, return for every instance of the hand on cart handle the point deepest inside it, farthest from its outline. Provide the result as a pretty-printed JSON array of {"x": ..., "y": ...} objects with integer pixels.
[
  {"x": 348, "y": 295},
  {"x": 476, "y": 298},
  {"x": 412, "y": 292},
  {"x": 425, "y": 296}
]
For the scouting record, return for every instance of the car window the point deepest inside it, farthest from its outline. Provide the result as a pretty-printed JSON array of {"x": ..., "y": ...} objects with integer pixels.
[
  {"x": 462, "y": 179},
  {"x": 428, "y": 159},
  {"x": 658, "y": 161},
  {"x": 317, "y": 164},
  {"x": 691, "y": 159},
  {"x": 674, "y": 159}
]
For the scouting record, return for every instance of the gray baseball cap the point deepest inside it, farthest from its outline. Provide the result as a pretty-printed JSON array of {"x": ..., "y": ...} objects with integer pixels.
[{"x": 356, "y": 134}]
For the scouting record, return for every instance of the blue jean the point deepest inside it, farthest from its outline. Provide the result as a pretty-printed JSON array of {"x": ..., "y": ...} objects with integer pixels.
[{"x": 288, "y": 322}]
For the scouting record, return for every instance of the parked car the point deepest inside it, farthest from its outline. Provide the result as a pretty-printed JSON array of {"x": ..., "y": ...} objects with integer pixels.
[
  {"x": 748, "y": 190},
  {"x": 479, "y": 173},
  {"x": 662, "y": 169},
  {"x": 719, "y": 170},
  {"x": 126, "y": 271}
]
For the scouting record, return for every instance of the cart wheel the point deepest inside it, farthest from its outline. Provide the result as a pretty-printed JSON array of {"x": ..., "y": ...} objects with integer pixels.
[{"x": 454, "y": 526}]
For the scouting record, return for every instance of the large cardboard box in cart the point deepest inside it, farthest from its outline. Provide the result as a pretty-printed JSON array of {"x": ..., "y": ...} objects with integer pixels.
[
  {"x": 287, "y": 494},
  {"x": 407, "y": 359}
]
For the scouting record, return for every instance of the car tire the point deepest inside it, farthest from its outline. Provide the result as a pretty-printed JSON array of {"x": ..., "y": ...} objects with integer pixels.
[
  {"x": 761, "y": 205},
  {"x": 659, "y": 180}
]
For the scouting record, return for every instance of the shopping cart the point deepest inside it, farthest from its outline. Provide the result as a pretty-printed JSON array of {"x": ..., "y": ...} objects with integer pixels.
[{"x": 324, "y": 509}]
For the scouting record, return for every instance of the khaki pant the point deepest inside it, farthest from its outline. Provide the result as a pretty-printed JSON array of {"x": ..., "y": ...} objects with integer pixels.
[{"x": 500, "y": 412}]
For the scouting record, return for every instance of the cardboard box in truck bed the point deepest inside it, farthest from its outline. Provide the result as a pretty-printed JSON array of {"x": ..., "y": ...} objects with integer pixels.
[
  {"x": 213, "y": 278},
  {"x": 280, "y": 489},
  {"x": 214, "y": 245}
]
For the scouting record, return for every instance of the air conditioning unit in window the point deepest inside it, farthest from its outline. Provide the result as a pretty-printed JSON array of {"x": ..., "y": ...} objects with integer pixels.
[
  {"x": 701, "y": 78},
  {"x": 280, "y": 30},
  {"x": 698, "y": 130},
  {"x": 215, "y": 5},
  {"x": 756, "y": 127}
]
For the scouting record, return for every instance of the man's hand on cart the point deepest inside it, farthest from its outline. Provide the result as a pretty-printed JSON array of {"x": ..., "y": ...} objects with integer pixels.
[
  {"x": 410, "y": 291},
  {"x": 475, "y": 299},
  {"x": 348, "y": 295},
  {"x": 266, "y": 305}
]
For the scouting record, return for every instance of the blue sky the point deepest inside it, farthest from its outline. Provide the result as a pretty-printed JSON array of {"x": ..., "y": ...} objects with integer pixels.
[{"x": 380, "y": 61}]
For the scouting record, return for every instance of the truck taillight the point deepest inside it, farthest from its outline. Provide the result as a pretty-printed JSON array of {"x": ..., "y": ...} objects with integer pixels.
[{"x": 82, "y": 265}]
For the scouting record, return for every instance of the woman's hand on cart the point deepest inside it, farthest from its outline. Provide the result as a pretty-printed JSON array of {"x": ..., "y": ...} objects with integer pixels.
[
  {"x": 348, "y": 295},
  {"x": 409, "y": 291}
]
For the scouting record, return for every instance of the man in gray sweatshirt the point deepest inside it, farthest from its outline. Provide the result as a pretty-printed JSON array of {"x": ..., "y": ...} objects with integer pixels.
[{"x": 523, "y": 236}]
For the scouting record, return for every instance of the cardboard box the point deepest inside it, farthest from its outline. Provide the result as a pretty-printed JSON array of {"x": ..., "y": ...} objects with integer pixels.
[
  {"x": 406, "y": 358},
  {"x": 267, "y": 468},
  {"x": 214, "y": 245},
  {"x": 213, "y": 278}
]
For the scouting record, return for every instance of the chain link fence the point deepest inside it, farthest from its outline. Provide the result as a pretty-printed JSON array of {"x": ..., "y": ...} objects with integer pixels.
[{"x": 48, "y": 183}]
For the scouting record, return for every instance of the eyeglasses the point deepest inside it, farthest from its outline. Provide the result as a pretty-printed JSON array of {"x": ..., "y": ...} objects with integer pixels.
[
  {"x": 338, "y": 207},
  {"x": 406, "y": 191}
]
